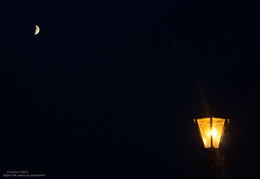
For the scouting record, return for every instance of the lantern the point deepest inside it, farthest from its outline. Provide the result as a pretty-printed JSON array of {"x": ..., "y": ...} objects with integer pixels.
[{"x": 211, "y": 130}]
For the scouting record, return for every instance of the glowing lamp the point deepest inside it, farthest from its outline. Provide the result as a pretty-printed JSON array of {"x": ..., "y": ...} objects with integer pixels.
[{"x": 211, "y": 130}]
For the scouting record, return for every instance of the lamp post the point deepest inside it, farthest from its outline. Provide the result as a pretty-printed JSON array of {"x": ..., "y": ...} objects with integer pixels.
[{"x": 211, "y": 131}]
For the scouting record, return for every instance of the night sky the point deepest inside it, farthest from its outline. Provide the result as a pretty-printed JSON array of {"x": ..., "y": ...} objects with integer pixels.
[{"x": 110, "y": 89}]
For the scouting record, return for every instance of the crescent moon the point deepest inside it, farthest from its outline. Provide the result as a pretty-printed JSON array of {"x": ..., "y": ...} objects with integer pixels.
[{"x": 37, "y": 30}]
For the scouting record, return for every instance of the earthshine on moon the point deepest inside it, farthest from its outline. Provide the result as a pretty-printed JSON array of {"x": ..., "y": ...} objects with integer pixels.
[{"x": 37, "y": 30}]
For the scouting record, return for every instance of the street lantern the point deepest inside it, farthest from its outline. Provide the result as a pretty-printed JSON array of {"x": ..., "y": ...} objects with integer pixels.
[{"x": 211, "y": 130}]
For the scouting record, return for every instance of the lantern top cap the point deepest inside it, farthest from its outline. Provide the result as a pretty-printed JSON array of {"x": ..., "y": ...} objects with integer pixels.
[{"x": 214, "y": 118}]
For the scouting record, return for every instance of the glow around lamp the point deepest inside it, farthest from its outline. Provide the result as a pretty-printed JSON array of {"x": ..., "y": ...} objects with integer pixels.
[{"x": 211, "y": 130}]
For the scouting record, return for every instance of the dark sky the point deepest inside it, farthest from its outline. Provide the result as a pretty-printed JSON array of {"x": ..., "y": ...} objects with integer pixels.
[{"x": 110, "y": 89}]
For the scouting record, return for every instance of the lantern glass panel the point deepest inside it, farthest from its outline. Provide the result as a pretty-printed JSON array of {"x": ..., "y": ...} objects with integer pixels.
[{"x": 206, "y": 132}]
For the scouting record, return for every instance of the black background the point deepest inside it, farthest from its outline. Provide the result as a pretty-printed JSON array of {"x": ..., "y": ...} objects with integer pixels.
[{"x": 110, "y": 89}]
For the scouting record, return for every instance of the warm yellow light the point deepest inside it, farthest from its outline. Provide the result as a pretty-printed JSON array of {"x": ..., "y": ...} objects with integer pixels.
[
  {"x": 214, "y": 133},
  {"x": 206, "y": 132}
]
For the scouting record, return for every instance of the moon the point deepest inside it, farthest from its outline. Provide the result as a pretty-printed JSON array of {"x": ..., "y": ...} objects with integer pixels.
[{"x": 37, "y": 30}]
